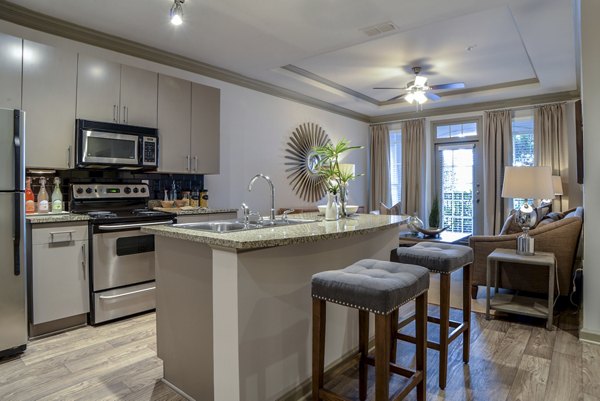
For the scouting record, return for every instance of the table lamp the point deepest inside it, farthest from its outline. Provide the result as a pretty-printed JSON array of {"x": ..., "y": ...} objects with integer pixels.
[{"x": 527, "y": 183}]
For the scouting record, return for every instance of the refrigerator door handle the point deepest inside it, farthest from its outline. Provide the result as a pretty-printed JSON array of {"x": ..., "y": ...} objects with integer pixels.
[
  {"x": 17, "y": 240},
  {"x": 18, "y": 149}
]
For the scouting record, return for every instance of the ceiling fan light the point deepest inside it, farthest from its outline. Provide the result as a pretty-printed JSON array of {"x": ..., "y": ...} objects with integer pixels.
[
  {"x": 420, "y": 97},
  {"x": 176, "y": 13},
  {"x": 420, "y": 81},
  {"x": 410, "y": 97}
]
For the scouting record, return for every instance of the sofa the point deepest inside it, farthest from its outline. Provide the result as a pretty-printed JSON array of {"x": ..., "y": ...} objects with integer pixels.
[{"x": 556, "y": 232}]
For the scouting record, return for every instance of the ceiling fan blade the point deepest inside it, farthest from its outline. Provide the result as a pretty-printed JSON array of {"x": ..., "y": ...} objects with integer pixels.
[
  {"x": 453, "y": 85},
  {"x": 394, "y": 98},
  {"x": 432, "y": 96},
  {"x": 389, "y": 88}
]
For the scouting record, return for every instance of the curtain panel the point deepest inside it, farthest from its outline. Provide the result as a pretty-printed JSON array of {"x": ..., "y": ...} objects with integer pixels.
[
  {"x": 497, "y": 153},
  {"x": 379, "y": 165},
  {"x": 413, "y": 164}
]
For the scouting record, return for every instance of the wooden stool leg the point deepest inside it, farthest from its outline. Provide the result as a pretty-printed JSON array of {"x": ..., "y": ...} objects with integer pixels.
[
  {"x": 363, "y": 348},
  {"x": 318, "y": 347},
  {"x": 394, "y": 344},
  {"x": 444, "y": 326},
  {"x": 421, "y": 339},
  {"x": 466, "y": 312},
  {"x": 382, "y": 355}
]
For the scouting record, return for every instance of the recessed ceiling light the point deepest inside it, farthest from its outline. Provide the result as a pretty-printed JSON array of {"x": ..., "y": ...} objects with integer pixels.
[{"x": 176, "y": 12}]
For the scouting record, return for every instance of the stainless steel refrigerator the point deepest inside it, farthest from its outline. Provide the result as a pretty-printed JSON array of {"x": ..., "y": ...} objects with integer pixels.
[{"x": 13, "y": 308}]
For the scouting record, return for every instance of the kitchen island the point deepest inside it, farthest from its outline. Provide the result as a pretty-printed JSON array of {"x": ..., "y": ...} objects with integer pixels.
[{"x": 234, "y": 309}]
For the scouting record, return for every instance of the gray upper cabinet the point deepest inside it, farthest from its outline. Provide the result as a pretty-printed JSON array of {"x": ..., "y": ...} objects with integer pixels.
[
  {"x": 98, "y": 89},
  {"x": 49, "y": 97},
  {"x": 174, "y": 124},
  {"x": 206, "y": 128},
  {"x": 189, "y": 126},
  {"x": 11, "y": 51},
  {"x": 112, "y": 92},
  {"x": 139, "y": 92}
]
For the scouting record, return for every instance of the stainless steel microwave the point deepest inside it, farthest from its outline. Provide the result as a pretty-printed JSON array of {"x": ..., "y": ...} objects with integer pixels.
[{"x": 108, "y": 145}]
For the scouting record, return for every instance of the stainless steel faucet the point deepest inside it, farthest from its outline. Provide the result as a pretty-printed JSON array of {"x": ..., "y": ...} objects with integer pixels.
[{"x": 272, "y": 191}]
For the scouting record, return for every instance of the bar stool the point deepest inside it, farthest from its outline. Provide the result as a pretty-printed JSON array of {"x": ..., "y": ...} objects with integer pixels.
[
  {"x": 379, "y": 287},
  {"x": 444, "y": 259}
]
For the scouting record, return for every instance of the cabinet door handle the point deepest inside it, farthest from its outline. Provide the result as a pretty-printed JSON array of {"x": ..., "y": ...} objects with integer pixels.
[
  {"x": 69, "y": 156},
  {"x": 187, "y": 163},
  {"x": 127, "y": 115},
  {"x": 196, "y": 163},
  {"x": 83, "y": 260},
  {"x": 114, "y": 112},
  {"x": 124, "y": 114},
  {"x": 57, "y": 233}
]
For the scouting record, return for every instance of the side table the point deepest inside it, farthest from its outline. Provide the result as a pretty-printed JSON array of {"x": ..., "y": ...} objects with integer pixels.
[{"x": 514, "y": 303}]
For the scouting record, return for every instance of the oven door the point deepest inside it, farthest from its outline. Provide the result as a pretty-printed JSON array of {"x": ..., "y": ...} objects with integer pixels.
[
  {"x": 108, "y": 148},
  {"x": 121, "y": 258}
]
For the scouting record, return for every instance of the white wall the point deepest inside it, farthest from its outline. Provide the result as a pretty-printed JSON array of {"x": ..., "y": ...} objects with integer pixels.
[
  {"x": 590, "y": 88},
  {"x": 255, "y": 128}
]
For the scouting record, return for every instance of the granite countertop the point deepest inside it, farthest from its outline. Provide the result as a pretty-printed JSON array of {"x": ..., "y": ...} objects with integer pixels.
[
  {"x": 202, "y": 210},
  {"x": 283, "y": 235},
  {"x": 64, "y": 217}
]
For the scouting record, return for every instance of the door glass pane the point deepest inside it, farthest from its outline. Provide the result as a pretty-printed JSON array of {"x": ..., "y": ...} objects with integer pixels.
[
  {"x": 395, "y": 166},
  {"x": 456, "y": 173}
]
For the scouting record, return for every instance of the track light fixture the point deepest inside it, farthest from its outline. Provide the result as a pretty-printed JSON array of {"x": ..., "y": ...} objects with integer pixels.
[{"x": 176, "y": 13}]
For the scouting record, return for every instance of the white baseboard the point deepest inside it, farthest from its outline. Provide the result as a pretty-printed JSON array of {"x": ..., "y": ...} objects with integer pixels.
[
  {"x": 177, "y": 389},
  {"x": 589, "y": 336}
]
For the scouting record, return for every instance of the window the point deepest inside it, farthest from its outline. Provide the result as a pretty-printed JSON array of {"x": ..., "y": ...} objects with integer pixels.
[
  {"x": 459, "y": 130},
  {"x": 522, "y": 139},
  {"x": 396, "y": 166}
]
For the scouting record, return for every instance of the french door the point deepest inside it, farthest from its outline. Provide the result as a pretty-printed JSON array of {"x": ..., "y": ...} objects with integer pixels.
[{"x": 459, "y": 186}]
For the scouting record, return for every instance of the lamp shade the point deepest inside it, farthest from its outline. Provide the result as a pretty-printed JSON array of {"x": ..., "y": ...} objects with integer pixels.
[
  {"x": 528, "y": 182},
  {"x": 557, "y": 185}
]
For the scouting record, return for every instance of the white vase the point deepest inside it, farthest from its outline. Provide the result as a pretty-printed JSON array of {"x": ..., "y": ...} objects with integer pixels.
[{"x": 331, "y": 211}]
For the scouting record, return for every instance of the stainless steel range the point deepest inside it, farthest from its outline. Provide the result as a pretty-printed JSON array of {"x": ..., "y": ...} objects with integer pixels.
[{"x": 121, "y": 256}]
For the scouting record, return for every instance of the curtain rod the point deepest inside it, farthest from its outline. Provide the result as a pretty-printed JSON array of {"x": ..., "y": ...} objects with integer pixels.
[{"x": 516, "y": 108}]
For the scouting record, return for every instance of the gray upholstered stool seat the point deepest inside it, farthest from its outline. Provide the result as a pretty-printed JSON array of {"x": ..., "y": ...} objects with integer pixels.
[
  {"x": 436, "y": 256},
  {"x": 373, "y": 285},
  {"x": 379, "y": 287}
]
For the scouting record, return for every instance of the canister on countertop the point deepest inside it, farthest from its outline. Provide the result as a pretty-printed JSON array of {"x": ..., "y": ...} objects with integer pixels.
[
  {"x": 204, "y": 198},
  {"x": 195, "y": 200}
]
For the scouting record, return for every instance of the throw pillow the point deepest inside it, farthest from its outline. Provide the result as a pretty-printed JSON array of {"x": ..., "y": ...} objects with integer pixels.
[
  {"x": 542, "y": 210},
  {"x": 510, "y": 225},
  {"x": 395, "y": 210}
]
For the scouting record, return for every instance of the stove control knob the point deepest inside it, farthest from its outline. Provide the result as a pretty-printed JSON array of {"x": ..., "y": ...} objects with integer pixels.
[
  {"x": 143, "y": 190},
  {"x": 136, "y": 190},
  {"x": 127, "y": 190},
  {"x": 88, "y": 190},
  {"x": 79, "y": 190}
]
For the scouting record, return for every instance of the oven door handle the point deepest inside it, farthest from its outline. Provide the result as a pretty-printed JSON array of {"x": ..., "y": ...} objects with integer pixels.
[
  {"x": 126, "y": 293},
  {"x": 113, "y": 227}
]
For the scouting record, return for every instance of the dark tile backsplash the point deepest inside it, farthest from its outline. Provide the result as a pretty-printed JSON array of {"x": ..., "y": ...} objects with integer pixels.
[{"x": 157, "y": 182}]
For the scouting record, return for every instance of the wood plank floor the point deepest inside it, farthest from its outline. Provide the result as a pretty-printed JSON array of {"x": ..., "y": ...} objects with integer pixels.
[{"x": 511, "y": 359}]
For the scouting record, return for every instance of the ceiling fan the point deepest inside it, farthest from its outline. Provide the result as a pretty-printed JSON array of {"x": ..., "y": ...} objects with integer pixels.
[{"x": 418, "y": 90}]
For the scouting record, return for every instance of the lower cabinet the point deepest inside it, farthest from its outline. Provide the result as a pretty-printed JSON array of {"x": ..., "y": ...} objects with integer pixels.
[{"x": 59, "y": 272}]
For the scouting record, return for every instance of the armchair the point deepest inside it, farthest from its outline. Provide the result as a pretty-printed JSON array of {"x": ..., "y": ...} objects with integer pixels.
[{"x": 560, "y": 237}]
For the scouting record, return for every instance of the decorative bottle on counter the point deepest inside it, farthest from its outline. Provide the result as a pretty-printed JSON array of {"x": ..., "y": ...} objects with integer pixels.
[
  {"x": 42, "y": 197},
  {"x": 204, "y": 198},
  {"x": 57, "y": 198},
  {"x": 195, "y": 200},
  {"x": 331, "y": 211},
  {"x": 29, "y": 198}
]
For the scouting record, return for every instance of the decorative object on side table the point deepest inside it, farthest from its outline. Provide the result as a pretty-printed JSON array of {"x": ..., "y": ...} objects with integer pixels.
[
  {"x": 434, "y": 214},
  {"x": 527, "y": 183},
  {"x": 303, "y": 160},
  {"x": 431, "y": 232},
  {"x": 336, "y": 175},
  {"x": 414, "y": 223}
]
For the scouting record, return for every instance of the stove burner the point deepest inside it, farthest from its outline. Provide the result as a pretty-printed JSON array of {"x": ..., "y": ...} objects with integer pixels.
[{"x": 146, "y": 212}]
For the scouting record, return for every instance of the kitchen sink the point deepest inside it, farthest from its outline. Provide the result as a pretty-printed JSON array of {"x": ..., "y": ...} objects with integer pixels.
[{"x": 232, "y": 226}]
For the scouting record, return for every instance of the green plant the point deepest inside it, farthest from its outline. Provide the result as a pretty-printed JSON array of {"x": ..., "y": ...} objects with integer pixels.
[
  {"x": 434, "y": 214},
  {"x": 328, "y": 165}
]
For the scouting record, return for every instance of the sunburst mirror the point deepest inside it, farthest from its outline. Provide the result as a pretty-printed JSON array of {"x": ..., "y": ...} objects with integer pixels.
[{"x": 302, "y": 159}]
